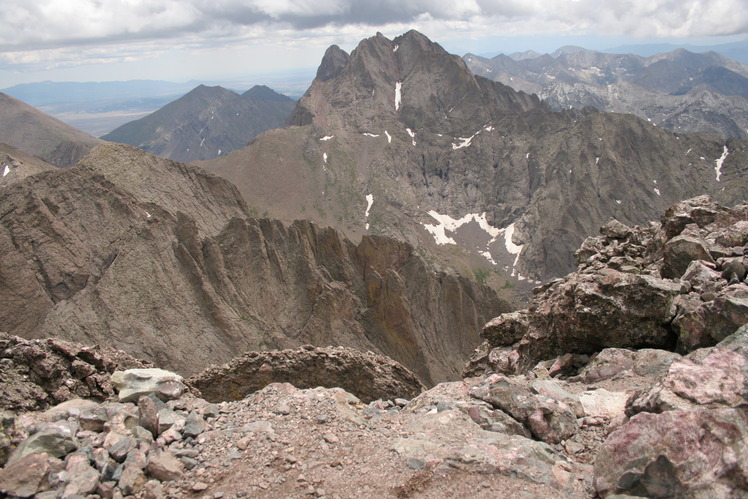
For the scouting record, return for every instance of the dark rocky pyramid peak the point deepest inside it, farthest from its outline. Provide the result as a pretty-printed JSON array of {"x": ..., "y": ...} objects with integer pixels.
[
  {"x": 332, "y": 63},
  {"x": 263, "y": 92}
]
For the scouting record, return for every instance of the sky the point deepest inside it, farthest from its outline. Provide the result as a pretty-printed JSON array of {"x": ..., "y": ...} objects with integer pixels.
[{"x": 210, "y": 40}]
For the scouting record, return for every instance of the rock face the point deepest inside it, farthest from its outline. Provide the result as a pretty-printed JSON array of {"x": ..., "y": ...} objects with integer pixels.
[
  {"x": 206, "y": 123},
  {"x": 400, "y": 138},
  {"x": 676, "y": 284},
  {"x": 37, "y": 374},
  {"x": 98, "y": 253},
  {"x": 679, "y": 90},
  {"x": 367, "y": 376},
  {"x": 38, "y": 134}
]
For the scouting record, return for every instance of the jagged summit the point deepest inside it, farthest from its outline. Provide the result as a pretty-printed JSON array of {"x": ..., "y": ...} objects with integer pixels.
[{"x": 410, "y": 79}]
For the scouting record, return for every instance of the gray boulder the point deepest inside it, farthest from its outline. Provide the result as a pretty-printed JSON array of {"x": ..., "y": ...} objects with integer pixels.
[{"x": 135, "y": 383}]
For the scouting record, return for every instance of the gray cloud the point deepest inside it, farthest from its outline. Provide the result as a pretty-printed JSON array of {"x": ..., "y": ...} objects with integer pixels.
[{"x": 46, "y": 29}]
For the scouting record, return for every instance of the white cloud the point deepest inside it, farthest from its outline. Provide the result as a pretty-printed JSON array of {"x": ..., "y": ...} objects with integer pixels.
[{"x": 65, "y": 31}]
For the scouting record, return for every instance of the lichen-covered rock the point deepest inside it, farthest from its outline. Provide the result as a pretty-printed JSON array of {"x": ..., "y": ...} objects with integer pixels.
[{"x": 681, "y": 453}]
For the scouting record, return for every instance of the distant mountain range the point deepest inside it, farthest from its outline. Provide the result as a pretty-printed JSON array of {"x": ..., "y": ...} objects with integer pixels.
[
  {"x": 36, "y": 133},
  {"x": 100, "y": 107},
  {"x": 679, "y": 90},
  {"x": 206, "y": 123}
]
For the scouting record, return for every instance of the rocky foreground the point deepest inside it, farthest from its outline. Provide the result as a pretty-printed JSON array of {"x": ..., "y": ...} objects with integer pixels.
[{"x": 587, "y": 412}]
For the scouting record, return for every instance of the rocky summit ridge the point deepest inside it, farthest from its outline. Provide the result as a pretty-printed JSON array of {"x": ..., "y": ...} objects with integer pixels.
[
  {"x": 587, "y": 412},
  {"x": 400, "y": 138}
]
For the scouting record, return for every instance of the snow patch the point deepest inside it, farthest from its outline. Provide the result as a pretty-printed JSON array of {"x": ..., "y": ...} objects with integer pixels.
[
  {"x": 720, "y": 162},
  {"x": 326, "y": 138},
  {"x": 398, "y": 95},
  {"x": 394, "y": 49},
  {"x": 618, "y": 201},
  {"x": 464, "y": 142},
  {"x": 412, "y": 135},
  {"x": 6, "y": 170},
  {"x": 689, "y": 151},
  {"x": 148, "y": 215},
  {"x": 324, "y": 157},
  {"x": 389, "y": 137},
  {"x": 452, "y": 224},
  {"x": 527, "y": 156},
  {"x": 597, "y": 159},
  {"x": 657, "y": 191},
  {"x": 489, "y": 128},
  {"x": 369, "y": 202},
  {"x": 201, "y": 142},
  {"x": 219, "y": 152},
  {"x": 488, "y": 257},
  {"x": 367, "y": 134}
]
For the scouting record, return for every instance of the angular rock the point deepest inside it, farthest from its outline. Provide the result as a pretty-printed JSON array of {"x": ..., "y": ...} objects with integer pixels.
[
  {"x": 603, "y": 404},
  {"x": 83, "y": 478},
  {"x": 148, "y": 415},
  {"x": 547, "y": 419},
  {"x": 164, "y": 466},
  {"x": 28, "y": 475},
  {"x": 717, "y": 379},
  {"x": 505, "y": 329},
  {"x": 680, "y": 251},
  {"x": 56, "y": 440},
  {"x": 693, "y": 453},
  {"x": 194, "y": 425},
  {"x": 705, "y": 324},
  {"x": 132, "y": 479},
  {"x": 135, "y": 383}
]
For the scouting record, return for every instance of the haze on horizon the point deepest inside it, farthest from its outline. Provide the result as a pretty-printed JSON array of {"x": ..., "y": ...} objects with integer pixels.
[{"x": 180, "y": 40}]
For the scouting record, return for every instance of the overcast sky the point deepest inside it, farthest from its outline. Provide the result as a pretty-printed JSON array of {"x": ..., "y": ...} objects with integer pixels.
[{"x": 179, "y": 40}]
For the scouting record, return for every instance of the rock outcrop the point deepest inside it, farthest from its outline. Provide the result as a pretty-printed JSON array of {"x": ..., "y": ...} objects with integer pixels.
[
  {"x": 37, "y": 374},
  {"x": 367, "y": 376},
  {"x": 137, "y": 252},
  {"x": 679, "y": 284}
]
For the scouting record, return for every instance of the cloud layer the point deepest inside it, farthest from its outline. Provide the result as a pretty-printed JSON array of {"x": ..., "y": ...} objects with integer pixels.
[{"x": 45, "y": 31}]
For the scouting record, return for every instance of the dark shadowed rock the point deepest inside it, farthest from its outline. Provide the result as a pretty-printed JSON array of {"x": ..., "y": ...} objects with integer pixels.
[{"x": 367, "y": 375}]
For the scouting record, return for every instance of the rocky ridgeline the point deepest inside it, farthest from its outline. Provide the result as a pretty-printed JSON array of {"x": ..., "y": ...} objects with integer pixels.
[{"x": 368, "y": 376}]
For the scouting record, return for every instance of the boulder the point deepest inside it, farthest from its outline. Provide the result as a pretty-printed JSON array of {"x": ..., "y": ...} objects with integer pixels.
[
  {"x": 164, "y": 466},
  {"x": 680, "y": 252},
  {"x": 547, "y": 419},
  {"x": 135, "y": 383},
  {"x": 28, "y": 475},
  {"x": 55, "y": 440},
  {"x": 681, "y": 453}
]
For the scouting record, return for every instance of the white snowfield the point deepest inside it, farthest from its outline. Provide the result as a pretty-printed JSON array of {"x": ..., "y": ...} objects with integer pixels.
[
  {"x": 369, "y": 202},
  {"x": 447, "y": 223},
  {"x": 398, "y": 94},
  {"x": 326, "y": 138},
  {"x": 6, "y": 170},
  {"x": 720, "y": 162}
]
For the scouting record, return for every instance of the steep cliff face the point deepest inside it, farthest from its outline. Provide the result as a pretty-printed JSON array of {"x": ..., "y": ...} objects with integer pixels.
[
  {"x": 401, "y": 139},
  {"x": 163, "y": 261}
]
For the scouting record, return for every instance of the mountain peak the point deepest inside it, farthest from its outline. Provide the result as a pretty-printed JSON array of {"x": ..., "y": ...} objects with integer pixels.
[{"x": 332, "y": 63}]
